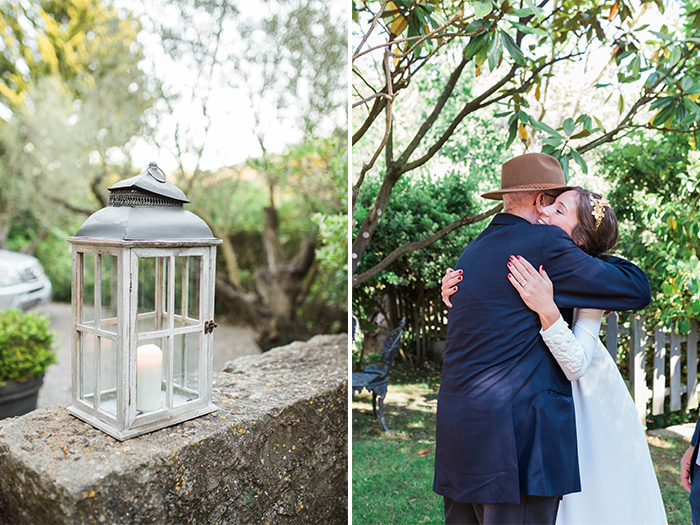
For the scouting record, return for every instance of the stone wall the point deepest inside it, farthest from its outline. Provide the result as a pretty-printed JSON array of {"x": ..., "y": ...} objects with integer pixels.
[{"x": 276, "y": 451}]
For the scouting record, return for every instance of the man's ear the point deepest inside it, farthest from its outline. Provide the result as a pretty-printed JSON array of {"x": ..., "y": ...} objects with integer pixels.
[{"x": 540, "y": 202}]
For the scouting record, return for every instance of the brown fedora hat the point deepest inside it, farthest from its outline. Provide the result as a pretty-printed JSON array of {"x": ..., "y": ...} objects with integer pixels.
[{"x": 529, "y": 172}]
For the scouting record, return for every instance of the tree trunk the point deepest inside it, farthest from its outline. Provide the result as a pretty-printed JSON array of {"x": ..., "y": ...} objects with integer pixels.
[{"x": 281, "y": 284}]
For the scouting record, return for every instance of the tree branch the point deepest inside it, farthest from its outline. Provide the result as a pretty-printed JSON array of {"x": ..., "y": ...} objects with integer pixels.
[
  {"x": 470, "y": 107},
  {"x": 422, "y": 38},
  {"x": 67, "y": 205},
  {"x": 642, "y": 101},
  {"x": 390, "y": 99},
  {"x": 413, "y": 246},
  {"x": 371, "y": 28}
]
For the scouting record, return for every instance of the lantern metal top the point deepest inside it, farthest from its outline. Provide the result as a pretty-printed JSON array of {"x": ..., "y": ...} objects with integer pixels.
[
  {"x": 145, "y": 207},
  {"x": 152, "y": 181}
]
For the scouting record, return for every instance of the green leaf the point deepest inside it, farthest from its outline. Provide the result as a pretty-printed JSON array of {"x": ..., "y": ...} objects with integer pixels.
[
  {"x": 536, "y": 10},
  {"x": 523, "y": 117},
  {"x": 513, "y": 50},
  {"x": 541, "y": 126},
  {"x": 473, "y": 26},
  {"x": 662, "y": 36},
  {"x": 495, "y": 51},
  {"x": 621, "y": 104},
  {"x": 564, "y": 161},
  {"x": 686, "y": 84},
  {"x": 600, "y": 124},
  {"x": 579, "y": 160},
  {"x": 481, "y": 8},
  {"x": 568, "y": 126},
  {"x": 549, "y": 150},
  {"x": 475, "y": 45},
  {"x": 439, "y": 18},
  {"x": 528, "y": 29},
  {"x": 652, "y": 79},
  {"x": 663, "y": 115},
  {"x": 635, "y": 66},
  {"x": 662, "y": 102},
  {"x": 420, "y": 15},
  {"x": 684, "y": 326},
  {"x": 696, "y": 307},
  {"x": 481, "y": 56},
  {"x": 523, "y": 13},
  {"x": 553, "y": 141},
  {"x": 675, "y": 55},
  {"x": 512, "y": 131},
  {"x": 584, "y": 119}
]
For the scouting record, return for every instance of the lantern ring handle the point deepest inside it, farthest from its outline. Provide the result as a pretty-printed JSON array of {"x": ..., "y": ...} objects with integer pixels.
[{"x": 155, "y": 172}]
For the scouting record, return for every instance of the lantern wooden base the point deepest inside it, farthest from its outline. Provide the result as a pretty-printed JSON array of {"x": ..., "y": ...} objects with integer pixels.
[{"x": 145, "y": 428}]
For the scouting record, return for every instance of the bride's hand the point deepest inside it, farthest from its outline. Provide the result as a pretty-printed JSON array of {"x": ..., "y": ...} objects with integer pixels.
[
  {"x": 535, "y": 288},
  {"x": 449, "y": 285}
]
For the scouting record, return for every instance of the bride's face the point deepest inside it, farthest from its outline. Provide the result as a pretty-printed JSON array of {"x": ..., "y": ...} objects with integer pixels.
[{"x": 562, "y": 213}]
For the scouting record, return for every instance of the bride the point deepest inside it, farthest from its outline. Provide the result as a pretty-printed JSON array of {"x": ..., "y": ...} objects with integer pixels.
[{"x": 618, "y": 483}]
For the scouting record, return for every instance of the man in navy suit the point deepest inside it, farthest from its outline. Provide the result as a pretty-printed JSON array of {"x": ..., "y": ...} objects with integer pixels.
[
  {"x": 506, "y": 435},
  {"x": 689, "y": 470}
]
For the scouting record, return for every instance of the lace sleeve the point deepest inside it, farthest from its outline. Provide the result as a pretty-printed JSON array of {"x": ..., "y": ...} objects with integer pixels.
[{"x": 574, "y": 350}]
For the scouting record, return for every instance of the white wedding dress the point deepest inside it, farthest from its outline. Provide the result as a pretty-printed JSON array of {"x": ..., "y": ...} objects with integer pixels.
[{"x": 618, "y": 483}]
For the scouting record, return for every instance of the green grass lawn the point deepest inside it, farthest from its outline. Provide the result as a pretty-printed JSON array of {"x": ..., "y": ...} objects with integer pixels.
[{"x": 393, "y": 473}]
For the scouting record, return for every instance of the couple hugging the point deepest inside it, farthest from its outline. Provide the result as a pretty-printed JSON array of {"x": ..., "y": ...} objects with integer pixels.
[{"x": 529, "y": 409}]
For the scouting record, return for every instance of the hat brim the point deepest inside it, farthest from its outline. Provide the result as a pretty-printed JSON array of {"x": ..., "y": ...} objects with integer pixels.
[{"x": 498, "y": 195}]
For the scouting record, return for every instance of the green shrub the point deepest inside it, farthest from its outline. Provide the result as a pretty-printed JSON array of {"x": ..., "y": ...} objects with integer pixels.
[{"x": 26, "y": 345}]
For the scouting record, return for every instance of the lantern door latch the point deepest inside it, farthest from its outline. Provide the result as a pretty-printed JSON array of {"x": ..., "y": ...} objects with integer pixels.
[{"x": 209, "y": 327}]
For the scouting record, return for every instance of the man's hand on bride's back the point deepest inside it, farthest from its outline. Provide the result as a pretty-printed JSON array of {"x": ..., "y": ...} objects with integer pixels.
[{"x": 449, "y": 285}]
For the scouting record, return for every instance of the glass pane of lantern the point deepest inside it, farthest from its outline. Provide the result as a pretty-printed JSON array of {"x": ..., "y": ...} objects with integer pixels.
[
  {"x": 108, "y": 293},
  {"x": 186, "y": 368},
  {"x": 187, "y": 290},
  {"x": 153, "y": 280},
  {"x": 88, "y": 279},
  {"x": 86, "y": 350},
  {"x": 151, "y": 357},
  {"x": 108, "y": 376}
]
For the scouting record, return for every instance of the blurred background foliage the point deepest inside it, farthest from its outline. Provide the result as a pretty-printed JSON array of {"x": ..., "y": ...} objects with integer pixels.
[{"x": 84, "y": 89}]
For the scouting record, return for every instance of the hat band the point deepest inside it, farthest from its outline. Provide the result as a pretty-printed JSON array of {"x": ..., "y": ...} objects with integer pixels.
[{"x": 531, "y": 186}]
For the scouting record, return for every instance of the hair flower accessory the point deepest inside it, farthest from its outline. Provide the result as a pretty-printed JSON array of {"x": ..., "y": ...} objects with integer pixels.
[{"x": 598, "y": 211}]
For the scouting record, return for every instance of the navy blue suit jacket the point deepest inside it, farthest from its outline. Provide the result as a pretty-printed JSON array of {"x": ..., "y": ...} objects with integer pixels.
[
  {"x": 505, "y": 419},
  {"x": 694, "y": 442}
]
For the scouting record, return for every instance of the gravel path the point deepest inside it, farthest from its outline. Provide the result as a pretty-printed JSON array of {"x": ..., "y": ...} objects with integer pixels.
[{"x": 230, "y": 342}]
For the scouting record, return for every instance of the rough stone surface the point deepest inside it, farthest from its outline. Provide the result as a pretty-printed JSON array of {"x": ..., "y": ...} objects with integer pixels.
[{"x": 276, "y": 451}]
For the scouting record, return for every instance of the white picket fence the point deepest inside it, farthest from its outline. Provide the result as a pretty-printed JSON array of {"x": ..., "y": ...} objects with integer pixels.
[{"x": 669, "y": 348}]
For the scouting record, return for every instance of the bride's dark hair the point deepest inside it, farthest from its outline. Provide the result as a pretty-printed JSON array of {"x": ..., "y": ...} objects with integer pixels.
[{"x": 594, "y": 240}]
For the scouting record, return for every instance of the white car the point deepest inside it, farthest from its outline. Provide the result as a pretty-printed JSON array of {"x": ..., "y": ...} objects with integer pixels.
[{"x": 23, "y": 283}]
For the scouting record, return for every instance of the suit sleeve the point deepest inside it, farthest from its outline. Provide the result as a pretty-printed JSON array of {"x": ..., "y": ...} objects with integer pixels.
[
  {"x": 582, "y": 281},
  {"x": 694, "y": 440}
]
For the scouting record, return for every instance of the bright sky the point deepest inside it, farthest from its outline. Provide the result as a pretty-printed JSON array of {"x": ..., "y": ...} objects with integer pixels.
[{"x": 230, "y": 139}]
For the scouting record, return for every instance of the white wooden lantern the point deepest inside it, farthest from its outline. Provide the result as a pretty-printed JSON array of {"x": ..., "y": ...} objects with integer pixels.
[{"x": 143, "y": 310}]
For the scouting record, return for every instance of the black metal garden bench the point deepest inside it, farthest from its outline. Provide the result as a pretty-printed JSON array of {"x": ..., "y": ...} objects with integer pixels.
[{"x": 375, "y": 378}]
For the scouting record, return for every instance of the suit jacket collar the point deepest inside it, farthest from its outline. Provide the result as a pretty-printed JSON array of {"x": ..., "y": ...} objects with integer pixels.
[{"x": 507, "y": 218}]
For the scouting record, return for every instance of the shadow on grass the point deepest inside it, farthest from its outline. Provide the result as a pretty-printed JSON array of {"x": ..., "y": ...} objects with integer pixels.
[
  {"x": 393, "y": 473},
  {"x": 666, "y": 455}
]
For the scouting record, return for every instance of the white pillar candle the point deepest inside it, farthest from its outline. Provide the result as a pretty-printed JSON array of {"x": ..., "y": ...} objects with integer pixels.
[{"x": 149, "y": 362}]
